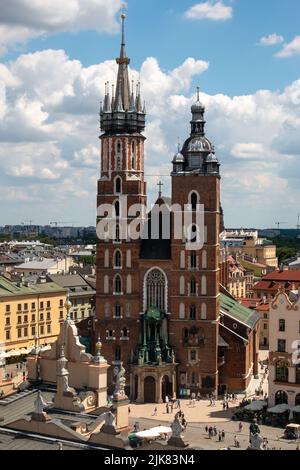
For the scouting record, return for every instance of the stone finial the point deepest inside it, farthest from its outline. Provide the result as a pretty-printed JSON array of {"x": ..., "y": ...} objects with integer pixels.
[
  {"x": 98, "y": 358},
  {"x": 68, "y": 306}
]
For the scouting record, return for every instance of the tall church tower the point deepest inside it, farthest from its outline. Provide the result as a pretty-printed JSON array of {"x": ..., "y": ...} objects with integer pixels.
[
  {"x": 195, "y": 278},
  {"x": 121, "y": 183}
]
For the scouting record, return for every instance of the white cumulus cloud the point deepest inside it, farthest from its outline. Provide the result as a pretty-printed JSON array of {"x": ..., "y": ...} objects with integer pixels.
[
  {"x": 290, "y": 49},
  {"x": 271, "y": 40},
  {"x": 22, "y": 20},
  {"x": 49, "y": 128},
  {"x": 210, "y": 10}
]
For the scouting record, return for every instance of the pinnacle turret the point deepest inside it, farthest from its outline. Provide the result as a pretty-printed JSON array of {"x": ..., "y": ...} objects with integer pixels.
[{"x": 123, "y": 112}]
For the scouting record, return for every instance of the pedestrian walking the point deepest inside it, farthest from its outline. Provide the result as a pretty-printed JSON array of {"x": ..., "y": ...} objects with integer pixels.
[
  {"x": 167, "y": 408},
  {"x": 215, "y": 431},
  {"x": 220, "y": 436},
  {"x": 206, "y": 429},
  {"x": 227, "y": 406},
  {"x": 155, "y": 411},
  {"x": 223, "y": 435},
  {"x": 240, "y": 426}
]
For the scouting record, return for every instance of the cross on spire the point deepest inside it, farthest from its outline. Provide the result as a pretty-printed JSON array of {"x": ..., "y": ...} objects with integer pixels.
[
  {"x": 198, "y": 93},
  {"x": 160, "y": 185}
]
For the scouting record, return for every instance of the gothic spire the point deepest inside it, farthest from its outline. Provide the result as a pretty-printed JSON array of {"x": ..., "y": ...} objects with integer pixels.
[{"x": 123, "y": 89}]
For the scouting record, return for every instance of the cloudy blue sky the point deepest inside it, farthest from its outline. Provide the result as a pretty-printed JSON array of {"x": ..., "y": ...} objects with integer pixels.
[{"x": 56, "y": 56}]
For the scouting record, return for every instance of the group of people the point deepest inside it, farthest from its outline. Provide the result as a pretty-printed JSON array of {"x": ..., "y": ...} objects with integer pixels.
[
  {"x": 260, "y": 393},
  {"x": 212, "y": 399},
  {"x": 171, "y": 403},
  {"x": 213, "y": 432}
]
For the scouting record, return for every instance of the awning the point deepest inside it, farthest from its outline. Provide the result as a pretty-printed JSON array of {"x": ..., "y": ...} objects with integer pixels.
[
  {"x": 279, "y": 409},
  {"x": 256, "y": 405},
  {"x": 16, "y": 352},
  {"x": 161, "y": 430},
  {"x": 148, "y": 433},
  {"x": 222, "y": 343}
]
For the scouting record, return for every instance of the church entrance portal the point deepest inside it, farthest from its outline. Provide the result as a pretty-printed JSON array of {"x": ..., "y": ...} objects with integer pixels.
[
  {"x": 149, "y": 390},
  {"x": 167, "y": 388}
]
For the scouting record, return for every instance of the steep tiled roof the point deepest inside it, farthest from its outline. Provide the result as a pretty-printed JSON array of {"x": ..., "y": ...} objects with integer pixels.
[
  {"x": 291, "y": 275},
  {"x": 238, "y": 311}
]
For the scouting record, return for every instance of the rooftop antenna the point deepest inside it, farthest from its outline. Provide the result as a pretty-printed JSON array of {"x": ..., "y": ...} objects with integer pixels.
[{"x": 160, "y": 185}]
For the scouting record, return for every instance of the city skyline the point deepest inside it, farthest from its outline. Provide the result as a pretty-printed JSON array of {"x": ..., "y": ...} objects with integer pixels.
[{"x": 52, "y": 77}]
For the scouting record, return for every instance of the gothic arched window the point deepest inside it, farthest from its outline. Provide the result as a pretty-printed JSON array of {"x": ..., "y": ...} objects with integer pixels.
[
  {"x": 193, "y": 259},
  {"x": 117, "y": 209},
  {"x": 118, "y": 259},
  {"x": 133, "y": 155},
  {"x": 117, "y": 311},
  {"x": 193, "y": 286},
  {"x": 155, "y": 288},
  {"x": 118, "y": 284},
  {"x": 118, "y": 185},
  {"x": 117, "y": 233},
  {"x": 125, "y": 332},
  {"x": 194, "y": 201},
  {"x": 192, "y": 312},
  {"x": 118, "y": 154}
]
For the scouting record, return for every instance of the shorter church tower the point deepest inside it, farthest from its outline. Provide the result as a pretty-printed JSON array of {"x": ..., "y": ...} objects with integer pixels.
[{"x": 195, "y": 275}]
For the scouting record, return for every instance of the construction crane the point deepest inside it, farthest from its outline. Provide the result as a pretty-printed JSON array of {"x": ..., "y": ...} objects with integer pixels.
[
  {"x": 59, "y": 223},
  {"x": 29, "y": 222},
  {"x": 278, "y": 224}
]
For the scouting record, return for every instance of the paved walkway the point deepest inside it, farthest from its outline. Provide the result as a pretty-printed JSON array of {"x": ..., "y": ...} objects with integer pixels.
[{"x": 201, "y": 413}]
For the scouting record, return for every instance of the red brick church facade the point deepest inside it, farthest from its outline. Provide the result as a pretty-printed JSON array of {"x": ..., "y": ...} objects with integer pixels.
[{"x": 158, "y": 304}]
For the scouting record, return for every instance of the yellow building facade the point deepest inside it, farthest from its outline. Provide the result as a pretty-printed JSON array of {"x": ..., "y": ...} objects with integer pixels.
[{"x": 29, "y": 314}]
